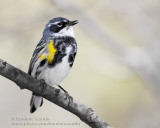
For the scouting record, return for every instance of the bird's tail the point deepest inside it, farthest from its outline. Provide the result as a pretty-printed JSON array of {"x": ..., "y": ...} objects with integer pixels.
[{"x": 36, "y": 101}]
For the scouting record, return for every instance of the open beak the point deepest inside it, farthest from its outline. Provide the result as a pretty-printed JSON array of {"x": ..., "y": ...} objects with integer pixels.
[{"x": 71, "y": 23}]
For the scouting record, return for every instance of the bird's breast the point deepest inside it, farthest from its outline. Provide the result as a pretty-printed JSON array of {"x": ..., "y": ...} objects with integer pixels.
[{"x": 55, "y": 75}]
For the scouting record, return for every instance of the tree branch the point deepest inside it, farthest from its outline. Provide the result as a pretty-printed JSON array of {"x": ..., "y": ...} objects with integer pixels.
[{"x": 23, "y": 80}]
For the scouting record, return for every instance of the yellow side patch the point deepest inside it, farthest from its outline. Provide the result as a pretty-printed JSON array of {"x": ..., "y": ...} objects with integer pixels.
[
  {"x": 51, "y": 52},
  {"x": 42, "y": 57}
]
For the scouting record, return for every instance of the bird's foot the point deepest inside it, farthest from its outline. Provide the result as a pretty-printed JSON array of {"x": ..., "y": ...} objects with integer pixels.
[
  {"x": 67, "y": 95},
  {"x": 70, "y": 99},
  {"x": 43, "y": 84},
  {"x": 2, "y": 63}
]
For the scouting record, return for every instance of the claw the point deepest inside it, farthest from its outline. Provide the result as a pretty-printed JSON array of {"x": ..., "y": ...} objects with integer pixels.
[
  {"x": 2, "y": 63},
  {"x": 57, "y": 91},
  {"x": 67, "y": 95},
  {"x": 42, "y": 81},
  {"x": 70, "y": 99}
]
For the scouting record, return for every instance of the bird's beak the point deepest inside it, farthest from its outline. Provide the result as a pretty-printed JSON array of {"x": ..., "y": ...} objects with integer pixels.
[{"x": 71, "y": 23}]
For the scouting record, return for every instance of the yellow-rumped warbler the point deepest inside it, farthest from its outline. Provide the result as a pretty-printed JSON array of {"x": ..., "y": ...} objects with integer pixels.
[{"x": 54, "y": 55}]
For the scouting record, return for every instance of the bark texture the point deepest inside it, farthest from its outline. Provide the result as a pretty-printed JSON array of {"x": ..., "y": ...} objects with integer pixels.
[{"x": 25, "y": 81}]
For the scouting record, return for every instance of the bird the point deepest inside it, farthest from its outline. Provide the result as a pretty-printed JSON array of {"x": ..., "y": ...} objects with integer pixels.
[{"x": 53, "y": 56}]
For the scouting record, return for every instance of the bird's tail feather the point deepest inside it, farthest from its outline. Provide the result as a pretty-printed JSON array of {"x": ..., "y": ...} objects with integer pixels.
[{"x": 36, "y": 101}]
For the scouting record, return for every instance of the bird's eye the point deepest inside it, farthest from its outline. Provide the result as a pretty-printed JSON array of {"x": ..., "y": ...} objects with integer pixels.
[{"x": 60, "y": 24}]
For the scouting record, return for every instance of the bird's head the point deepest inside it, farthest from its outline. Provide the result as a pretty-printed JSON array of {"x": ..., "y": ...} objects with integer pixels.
[{"x": 59, "y": 27}]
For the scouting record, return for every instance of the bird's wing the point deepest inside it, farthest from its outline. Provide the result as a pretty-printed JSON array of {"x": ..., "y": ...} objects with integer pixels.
[{"x": 39, "y": 47}]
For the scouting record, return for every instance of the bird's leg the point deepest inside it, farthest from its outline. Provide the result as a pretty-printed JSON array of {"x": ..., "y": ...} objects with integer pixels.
[
  {"x": 67, "y": 95},
  {"x": 62, "y": 89}
]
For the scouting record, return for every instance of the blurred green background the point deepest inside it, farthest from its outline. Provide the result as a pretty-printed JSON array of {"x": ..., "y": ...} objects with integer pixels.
[{"x": 116, "y": 70}]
